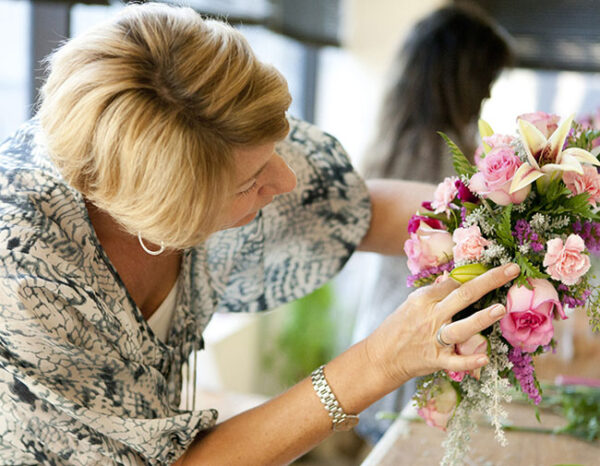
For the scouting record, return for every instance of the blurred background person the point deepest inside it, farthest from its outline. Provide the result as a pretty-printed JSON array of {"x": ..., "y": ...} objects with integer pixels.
[{"x": 441, "y": 75}]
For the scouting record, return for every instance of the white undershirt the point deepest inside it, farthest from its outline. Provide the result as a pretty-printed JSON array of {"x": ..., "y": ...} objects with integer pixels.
[{"x": 160, "y": 321}]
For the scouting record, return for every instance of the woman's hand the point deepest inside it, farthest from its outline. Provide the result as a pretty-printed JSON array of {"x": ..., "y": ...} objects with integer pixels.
[{"x": 405, "y": 345}]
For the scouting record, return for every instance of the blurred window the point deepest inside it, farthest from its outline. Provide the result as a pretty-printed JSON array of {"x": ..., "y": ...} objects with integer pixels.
[{"x": 14, "y": 71}]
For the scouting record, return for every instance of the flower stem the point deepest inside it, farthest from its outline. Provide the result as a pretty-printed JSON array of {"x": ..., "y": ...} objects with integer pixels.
[
  {"x": 489, "y": 208},
  {"x": 539, "y": 430}
]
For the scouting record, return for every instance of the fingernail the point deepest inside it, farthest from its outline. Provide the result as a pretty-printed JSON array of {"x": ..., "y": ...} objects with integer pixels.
[
  {"x": 512, "y": 270},
  {"x": 483, "y": 360},
  {"x": 497, "y": 311}
]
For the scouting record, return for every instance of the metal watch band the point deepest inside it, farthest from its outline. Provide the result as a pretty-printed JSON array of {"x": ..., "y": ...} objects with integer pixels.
[{"x": 341, "y": 421}]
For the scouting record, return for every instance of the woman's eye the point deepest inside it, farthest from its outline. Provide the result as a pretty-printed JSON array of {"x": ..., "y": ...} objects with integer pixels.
[{"x": 249, "y": 190}]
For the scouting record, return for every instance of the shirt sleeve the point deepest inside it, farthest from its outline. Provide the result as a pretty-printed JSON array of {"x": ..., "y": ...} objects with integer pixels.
[{"x": 303, "y": 238}]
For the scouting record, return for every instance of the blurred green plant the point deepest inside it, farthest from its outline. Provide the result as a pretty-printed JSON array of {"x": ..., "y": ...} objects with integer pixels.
[
  {"x": 579, "y": 405},
  {"x": 307, "y": 337}
]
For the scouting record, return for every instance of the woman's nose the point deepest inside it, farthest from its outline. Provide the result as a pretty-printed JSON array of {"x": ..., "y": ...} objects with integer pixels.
[{"x": 282, "y": 178}]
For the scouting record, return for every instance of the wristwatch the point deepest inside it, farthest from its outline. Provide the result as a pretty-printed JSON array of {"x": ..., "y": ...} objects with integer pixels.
[{"x": 341, "y": 421}]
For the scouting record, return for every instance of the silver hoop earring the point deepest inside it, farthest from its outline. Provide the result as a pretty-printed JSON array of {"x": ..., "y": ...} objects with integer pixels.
[{"x": 148, "y": 251}]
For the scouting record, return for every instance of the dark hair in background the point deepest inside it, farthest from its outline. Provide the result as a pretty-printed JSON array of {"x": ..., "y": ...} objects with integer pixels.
[{"x": 441, "y": 75}]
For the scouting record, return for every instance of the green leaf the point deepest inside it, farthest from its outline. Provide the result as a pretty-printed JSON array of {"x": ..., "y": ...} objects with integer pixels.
[
  {"x": 554, "y": 190},
  {"x": 504, "y": 229},
  {"x": 577, "y": 205},
  {"x": 528, "y": 270},
  {"x": 462, "y": 166}
]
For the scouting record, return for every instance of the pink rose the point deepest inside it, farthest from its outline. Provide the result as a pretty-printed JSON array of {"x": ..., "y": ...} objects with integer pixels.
[
  {"x": 493, "y": 141},
  {"x": 427, "y": 248},
  {"x": 477, "y": 344},
  {"x": 589, "y": 183},
  {"x": 469, "y": 243},
  {"x": 440, "y": 407},
  {"x": 545, "y": 122},
  {"x": 444, "y": 194},
  {"x": 528, "y": 320},
  {"x": 495, "y": 177},
  {"x": 567, "y": 262}
]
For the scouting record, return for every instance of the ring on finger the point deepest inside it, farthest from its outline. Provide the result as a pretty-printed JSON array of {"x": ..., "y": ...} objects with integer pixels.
[{"x": 440, "y": 339}]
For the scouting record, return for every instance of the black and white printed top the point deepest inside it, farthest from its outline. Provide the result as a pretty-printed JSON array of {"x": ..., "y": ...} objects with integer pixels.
[{"x": 83, "y": 379}]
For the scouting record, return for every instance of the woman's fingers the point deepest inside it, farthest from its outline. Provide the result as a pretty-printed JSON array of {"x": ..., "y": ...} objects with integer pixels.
[
  {"x": 473, "y": 290},
  {"x": 437, "y": 291},
  {"x": 456, "y": 363},
  {"x": 462, "y": 330}
]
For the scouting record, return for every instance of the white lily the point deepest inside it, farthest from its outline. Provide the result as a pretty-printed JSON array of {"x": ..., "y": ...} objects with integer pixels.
[{"x": 545, "y": 157}]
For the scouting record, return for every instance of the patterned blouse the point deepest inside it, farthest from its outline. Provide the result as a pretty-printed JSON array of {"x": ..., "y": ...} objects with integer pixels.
[{"x": 83, "y": 379}]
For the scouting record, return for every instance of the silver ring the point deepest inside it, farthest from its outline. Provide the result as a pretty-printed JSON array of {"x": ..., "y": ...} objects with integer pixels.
[{"x": 440, "y": 340}]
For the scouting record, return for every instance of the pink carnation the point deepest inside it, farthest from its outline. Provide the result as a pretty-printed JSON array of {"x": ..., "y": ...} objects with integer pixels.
[
  {"x": 469, "y": 243},
  {"x": 546, "y": 123},
  {"x": 444, "y": 194},
  {"x": 566, "y": 262},
  {"x": 589, "y": 183}
]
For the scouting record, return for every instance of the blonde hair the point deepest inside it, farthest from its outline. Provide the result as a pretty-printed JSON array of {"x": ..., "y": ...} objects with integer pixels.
[{"x": 142, "y": 114}]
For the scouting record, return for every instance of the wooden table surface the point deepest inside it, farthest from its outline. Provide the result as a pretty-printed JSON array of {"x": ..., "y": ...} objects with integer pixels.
[{"x": 416, "y": 444}]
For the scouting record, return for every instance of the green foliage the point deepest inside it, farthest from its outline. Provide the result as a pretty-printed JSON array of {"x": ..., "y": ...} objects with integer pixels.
[
  {"x": 593, "y": 309},
  {"x": 581, "y": 407},
  {"x": 461, "y": 164},
  {"x": 557, "y": 199},
  {"x": 528, "y": 270},
  {"x": 428, "y": 387},
  {"x": 308, "y": 335},
  {"x": 504, "y": 229},
  {"x": 582, "y": 138}
]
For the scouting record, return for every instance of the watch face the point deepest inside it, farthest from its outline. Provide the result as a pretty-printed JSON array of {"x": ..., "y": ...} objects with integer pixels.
[{"x": 346, "y": 424}]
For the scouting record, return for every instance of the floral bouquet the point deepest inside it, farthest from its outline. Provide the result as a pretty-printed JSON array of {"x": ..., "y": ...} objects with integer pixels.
[{"x": 532, "y": 199}]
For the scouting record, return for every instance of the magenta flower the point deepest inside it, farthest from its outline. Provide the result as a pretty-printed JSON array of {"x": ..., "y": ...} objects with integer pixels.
[
  {"x": 464, "y": 193},
  {"x": 415, "y": 222}
]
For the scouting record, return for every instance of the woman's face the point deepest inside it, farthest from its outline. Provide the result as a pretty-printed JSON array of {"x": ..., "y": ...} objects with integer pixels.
[{"x": 261, "y": 174}]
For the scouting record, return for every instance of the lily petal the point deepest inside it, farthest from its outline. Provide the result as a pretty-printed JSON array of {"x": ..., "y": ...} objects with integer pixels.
[
  {"x": 526, "y": 174},
  {"x": 533, "y": 139},
  {"x": 485, "y": 130},
  {"x": 581, "y": 155},
  {"x": 557, "y": 140},
  {"x": 568, "y": 164}
]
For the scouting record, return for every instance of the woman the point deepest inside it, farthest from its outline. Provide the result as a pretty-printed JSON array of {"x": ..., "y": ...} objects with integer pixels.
[
  {"x": 441, "y": 75},
  {"x": 156, "y": 182}
]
